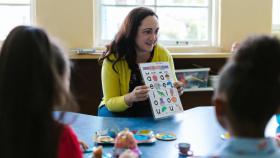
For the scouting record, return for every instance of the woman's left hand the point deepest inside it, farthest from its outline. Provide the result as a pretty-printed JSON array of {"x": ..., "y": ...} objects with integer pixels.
[{"x": 179, "y": 86}]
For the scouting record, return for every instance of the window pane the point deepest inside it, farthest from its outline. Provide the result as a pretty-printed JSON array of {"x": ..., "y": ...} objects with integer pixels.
[
  {"x": 180, "y": 21},
  {"x": 128, "y": 2},
  {"x": 276, "y": 12},
  {"x": 183, "y": 2},
  {"x": 112, "y": 18},
  {"x": 181, "y": 24},
  {"x": 15, "y": 1},
  {"x": 17, "y": 15}
]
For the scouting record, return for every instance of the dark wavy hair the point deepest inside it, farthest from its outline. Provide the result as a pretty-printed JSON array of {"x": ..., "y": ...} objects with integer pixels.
[
  {"x": 31, "y": 83},
  {"x": 123, "y": 45},
  {"x": 251, "y": 81}
]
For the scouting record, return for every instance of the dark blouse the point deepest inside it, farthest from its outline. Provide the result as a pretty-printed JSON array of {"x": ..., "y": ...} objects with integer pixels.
[{"x": 141, "y": 108}]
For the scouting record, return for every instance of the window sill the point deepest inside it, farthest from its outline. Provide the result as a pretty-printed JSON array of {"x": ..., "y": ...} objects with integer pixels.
[{"x": 73, "y": 55}]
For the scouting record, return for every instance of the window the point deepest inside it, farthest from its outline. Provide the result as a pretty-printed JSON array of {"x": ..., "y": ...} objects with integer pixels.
[
  {"x": 182, "y": 22},
  {"x": 13, "y": 13},
  {"x": 276, "y": 16}
]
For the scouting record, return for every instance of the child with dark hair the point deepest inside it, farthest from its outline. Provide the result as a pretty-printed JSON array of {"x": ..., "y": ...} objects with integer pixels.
[
  {"x": 247, "y": 96},
  {"x": 34, "y": 77}
]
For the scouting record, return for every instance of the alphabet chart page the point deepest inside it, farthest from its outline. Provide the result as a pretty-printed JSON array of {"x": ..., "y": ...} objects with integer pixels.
[{"x": 164, "y": 97}]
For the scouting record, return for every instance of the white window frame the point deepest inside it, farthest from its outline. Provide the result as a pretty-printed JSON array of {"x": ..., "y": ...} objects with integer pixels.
[
  {"x": 32, "y": 12},
  {"x": 213, "y": 13}
]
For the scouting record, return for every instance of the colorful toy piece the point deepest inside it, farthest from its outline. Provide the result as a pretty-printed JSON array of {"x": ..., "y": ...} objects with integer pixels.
[
  {"x": 125, "y": 140},
  {"x": 166, "y": 136}
]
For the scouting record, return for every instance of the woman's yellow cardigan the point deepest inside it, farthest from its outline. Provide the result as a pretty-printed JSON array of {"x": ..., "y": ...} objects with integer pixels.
[{"x": 116, "y": 84}]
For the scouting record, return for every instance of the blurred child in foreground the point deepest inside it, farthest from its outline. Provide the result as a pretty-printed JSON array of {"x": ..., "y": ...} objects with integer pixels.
[
  {"x": 247, "y": 96},
  {"x": 34, "y": 78}
]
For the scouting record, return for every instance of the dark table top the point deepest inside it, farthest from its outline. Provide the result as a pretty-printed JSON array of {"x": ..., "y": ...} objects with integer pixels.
[{"x": 197, "y": 126}]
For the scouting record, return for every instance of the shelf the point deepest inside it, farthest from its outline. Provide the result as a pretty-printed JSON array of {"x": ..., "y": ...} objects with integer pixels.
[
  {"x": 96, "y": 55},
  {"x": 199, "y": 89}
]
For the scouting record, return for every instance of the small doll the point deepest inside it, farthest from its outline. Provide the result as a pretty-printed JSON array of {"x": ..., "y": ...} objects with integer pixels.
[{"x": 125, "y": 140}]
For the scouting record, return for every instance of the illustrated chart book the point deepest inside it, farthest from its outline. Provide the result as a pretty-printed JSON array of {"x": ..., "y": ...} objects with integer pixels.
[{"x": 164, "y": 97}]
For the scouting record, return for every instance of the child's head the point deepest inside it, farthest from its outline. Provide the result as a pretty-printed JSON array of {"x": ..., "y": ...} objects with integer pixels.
[
  {"x": 34, "y": 76},
  {"x": 248, "y": 93},
  {"x": 32, "y": 69}
]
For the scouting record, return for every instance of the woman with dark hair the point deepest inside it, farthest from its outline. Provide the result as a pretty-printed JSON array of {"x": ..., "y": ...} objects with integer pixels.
[
  {"x": 248, "y": 95},
  {"x": 34, "y": 77},
  {"x": 136, "y": 42}
]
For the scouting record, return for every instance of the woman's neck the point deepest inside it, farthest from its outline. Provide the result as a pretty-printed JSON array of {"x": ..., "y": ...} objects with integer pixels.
[{"x": 143, "y": 57}]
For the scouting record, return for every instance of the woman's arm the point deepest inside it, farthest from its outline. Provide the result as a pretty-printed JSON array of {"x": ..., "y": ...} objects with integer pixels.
[{"x": 113, "y": 98}]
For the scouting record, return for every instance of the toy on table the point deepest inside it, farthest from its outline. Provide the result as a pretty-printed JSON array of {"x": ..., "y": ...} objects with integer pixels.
[
  {"x": 125, "y": 140},
  {"x": 144, "y": 136},
  {"x": 225, "y": 136},
  {"x": 128, "y": 154},
  {"x": 97, "y": 153},
  {"x": 184, "y": 149},
  {"x": 166, "y": 136},
  {"x": 106, "y": 136}
]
